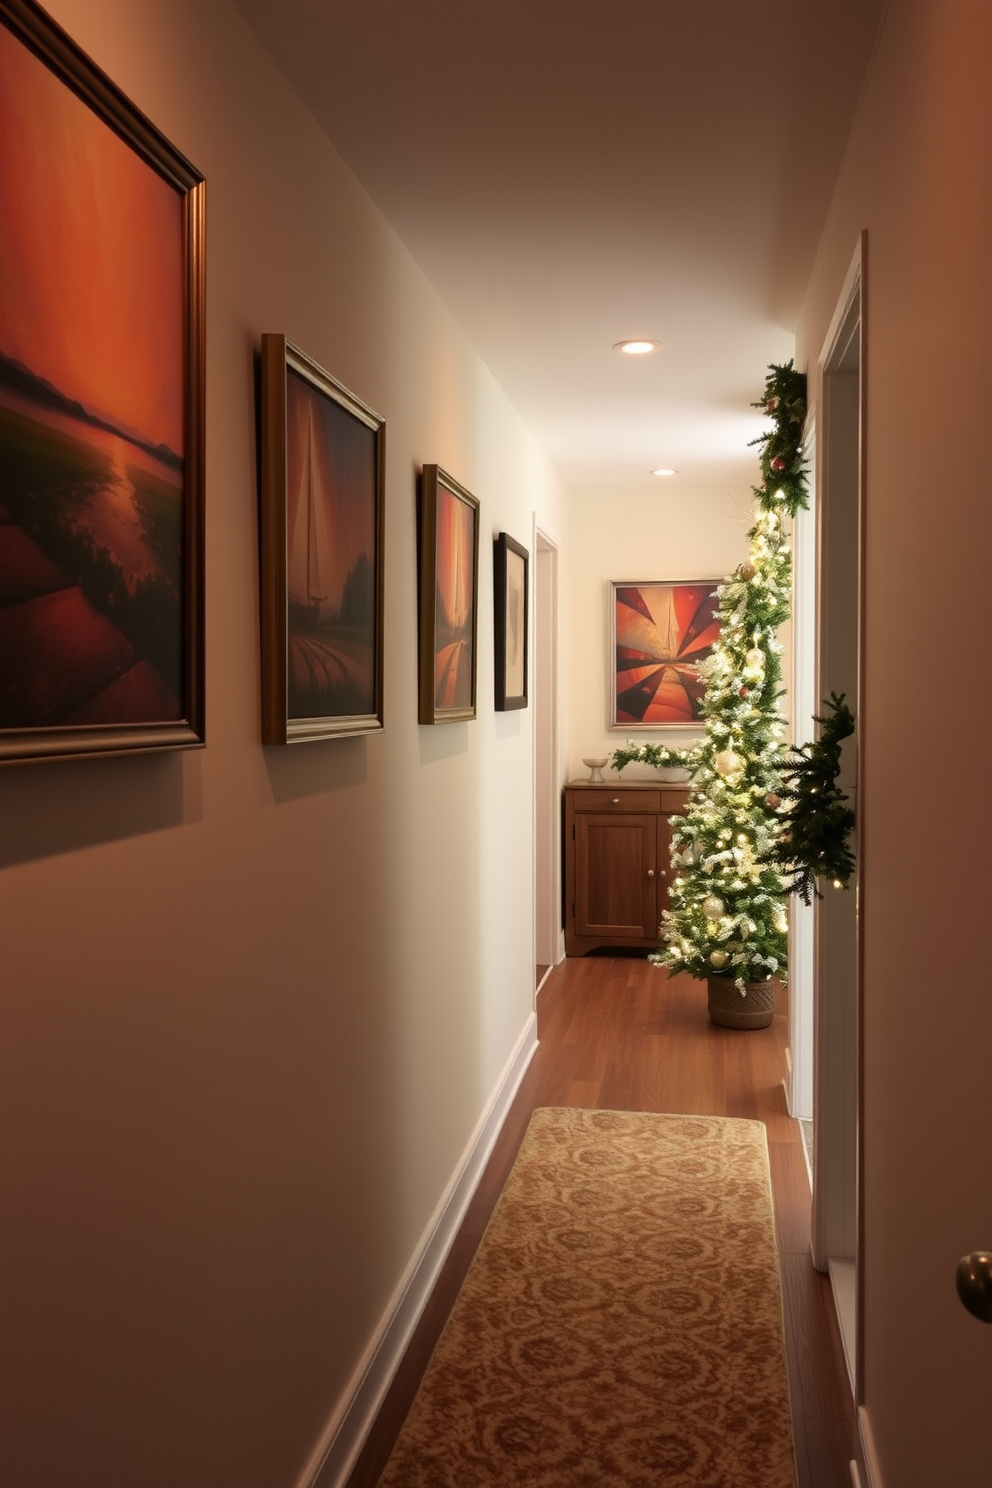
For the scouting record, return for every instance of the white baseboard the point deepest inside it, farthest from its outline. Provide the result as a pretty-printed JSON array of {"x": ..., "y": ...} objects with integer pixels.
[
  {"x": 337, "y": 1451},
  {"x": 869, "y": 1457},
  {"x": 843, "y": 1282}
]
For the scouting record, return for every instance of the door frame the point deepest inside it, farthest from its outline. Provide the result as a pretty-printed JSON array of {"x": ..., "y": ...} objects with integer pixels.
[
  {"x": 548, "y": 934},
  {"x": 799, "y": 1055},
  {"x": 838, "y": 1214}
]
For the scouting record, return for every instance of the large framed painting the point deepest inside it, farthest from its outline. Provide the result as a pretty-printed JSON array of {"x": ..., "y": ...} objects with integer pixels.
[
  {"x": 449, "y": 584},
  {"x": 660, "y": 632},
  {"x": 101, "y": 412},
  {"x": 510, "y": 565},
  {"x": 323, "y": 466}
]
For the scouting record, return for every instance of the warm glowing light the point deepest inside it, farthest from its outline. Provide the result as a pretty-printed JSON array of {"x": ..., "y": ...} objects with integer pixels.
[
  {"x": 664, "y": 470},
  {"x": 638, "y": 346},
  {"x": 93, "y": 244}
]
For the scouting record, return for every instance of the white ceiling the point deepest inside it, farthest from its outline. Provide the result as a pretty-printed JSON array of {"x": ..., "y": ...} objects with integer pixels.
[{"x": 569, "y": 173}]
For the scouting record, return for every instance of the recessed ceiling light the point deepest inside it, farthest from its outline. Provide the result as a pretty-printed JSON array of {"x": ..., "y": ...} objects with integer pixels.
[
  {"x": 637, "y": 347},
  {"x": 665, "y": 470}
]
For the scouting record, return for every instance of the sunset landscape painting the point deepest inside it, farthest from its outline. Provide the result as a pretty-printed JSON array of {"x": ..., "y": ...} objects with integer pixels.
[
  {"x": 455, "y": 602},
  {"x": 448, "y": 588},
  {"x": 94, "y": 394},
  {"x": 661, "y": 633}
]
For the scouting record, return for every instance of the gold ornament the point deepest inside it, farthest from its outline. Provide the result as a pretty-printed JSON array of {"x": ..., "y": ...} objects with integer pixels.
[
  {"x": 747, "y": 571},
  {"x": 712, "y": 907},
  {"x": 728, "y": 764},
  {"x": 772, "y": 801},
  {"x": 718, "y": 959},
  {"x": 754, "y": 658}
]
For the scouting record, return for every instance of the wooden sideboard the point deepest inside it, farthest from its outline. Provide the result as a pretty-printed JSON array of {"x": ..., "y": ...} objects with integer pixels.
[{"x": 617, "y": 861}]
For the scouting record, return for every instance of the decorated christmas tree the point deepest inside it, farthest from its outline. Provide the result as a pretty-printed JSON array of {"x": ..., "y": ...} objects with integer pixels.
[
  {"x": 727, "y": 913},
  {"x": 727, "y": 910}
]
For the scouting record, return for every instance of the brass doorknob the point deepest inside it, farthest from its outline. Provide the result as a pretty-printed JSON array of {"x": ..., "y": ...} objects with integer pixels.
[
  {"x": 974, "y": 1281},
  {"x": 650, "y": 873}
]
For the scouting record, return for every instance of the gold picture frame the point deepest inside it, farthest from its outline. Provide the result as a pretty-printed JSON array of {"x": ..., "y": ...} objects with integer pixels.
[
  {"x": 101, "y": 454},
  {"x": 449, "y": 599},
  {"x": 511, "y": 611},
  {"x": 323, "y": 510}
]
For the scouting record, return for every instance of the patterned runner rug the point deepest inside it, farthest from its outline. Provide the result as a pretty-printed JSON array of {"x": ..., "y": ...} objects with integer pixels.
[{"x": 621, "y": 1324}]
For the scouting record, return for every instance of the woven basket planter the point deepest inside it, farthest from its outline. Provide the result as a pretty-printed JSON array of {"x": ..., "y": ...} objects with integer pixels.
[{"x": 728, "y": 1009}]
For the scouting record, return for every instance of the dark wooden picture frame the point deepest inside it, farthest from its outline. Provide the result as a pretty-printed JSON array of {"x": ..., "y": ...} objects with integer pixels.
[
  {"x": 449, "y": 598},
  {"x": 101, "y": 413},
  {"x": 511, "y": 606},
  {"x": 660, "y": 632},
  {"x": 323, "y": 471}
]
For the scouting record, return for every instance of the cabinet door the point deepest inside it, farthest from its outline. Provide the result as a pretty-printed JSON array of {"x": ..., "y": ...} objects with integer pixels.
[
  {"x": 663, "y": 877},
  {"x": 616, "y": 866}
]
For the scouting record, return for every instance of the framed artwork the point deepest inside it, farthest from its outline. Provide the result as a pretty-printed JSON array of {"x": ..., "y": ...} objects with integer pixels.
[
  {"x": 659, "y": 633},
  {"x": 323, "y": 459},
  {"x": 510, "y": 567},
  {"x": 449, "y": 584},
  {"x": 101, "y": 412}
]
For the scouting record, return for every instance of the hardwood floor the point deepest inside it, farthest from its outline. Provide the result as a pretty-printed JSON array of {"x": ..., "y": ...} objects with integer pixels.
[{"x": 618, "y": 1033}]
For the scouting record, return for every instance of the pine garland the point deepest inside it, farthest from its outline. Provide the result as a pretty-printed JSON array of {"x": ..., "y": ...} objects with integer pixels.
[
  {"x": 819, "y": 819},
  {"x": 658, "y": 755},
  {"x": 783, "y": 468}
]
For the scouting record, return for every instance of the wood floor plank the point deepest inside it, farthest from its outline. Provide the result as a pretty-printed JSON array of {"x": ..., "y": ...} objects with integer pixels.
[
  {"x": 809, "y": 1308},
  {"x": 619, "y": 1033},
  {"x": 791, "y": 1186}
]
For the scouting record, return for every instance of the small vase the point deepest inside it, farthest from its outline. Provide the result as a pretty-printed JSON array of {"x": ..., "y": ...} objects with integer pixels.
[
  {"x": 596, "y": 767},
  {"x": 728, "y": 1009}
]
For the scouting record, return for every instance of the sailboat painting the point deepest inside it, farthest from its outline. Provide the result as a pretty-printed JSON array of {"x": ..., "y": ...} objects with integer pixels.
[
  {"x": 322, "y": 552},
  {"x": 448, "y": 588},
  {"x": 662, "y": 632}
]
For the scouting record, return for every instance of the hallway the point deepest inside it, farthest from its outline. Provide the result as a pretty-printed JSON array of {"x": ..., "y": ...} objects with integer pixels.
[{"x": 617, "y": 1033}]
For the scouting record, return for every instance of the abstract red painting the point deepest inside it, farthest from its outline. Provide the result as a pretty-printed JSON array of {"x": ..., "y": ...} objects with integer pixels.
[{"x": 661, "y": 632}]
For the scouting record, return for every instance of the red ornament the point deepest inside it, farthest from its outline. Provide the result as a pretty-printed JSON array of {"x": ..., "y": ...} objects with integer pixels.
[
  {"x": 772, "y": 404},
  {"x": 742, "y": 692},
  {"x": 778, "y": 464}
]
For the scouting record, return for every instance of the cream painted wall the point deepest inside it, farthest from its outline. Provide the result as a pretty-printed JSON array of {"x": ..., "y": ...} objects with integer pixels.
[
  {"x": 666, "y": 533},
  {"x": 916, "y": 178},
  {"x": 255, "y": 1001}
]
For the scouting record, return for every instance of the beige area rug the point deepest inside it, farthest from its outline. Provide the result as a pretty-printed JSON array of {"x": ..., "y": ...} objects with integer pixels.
[{"x": 621, "y": 1323}]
